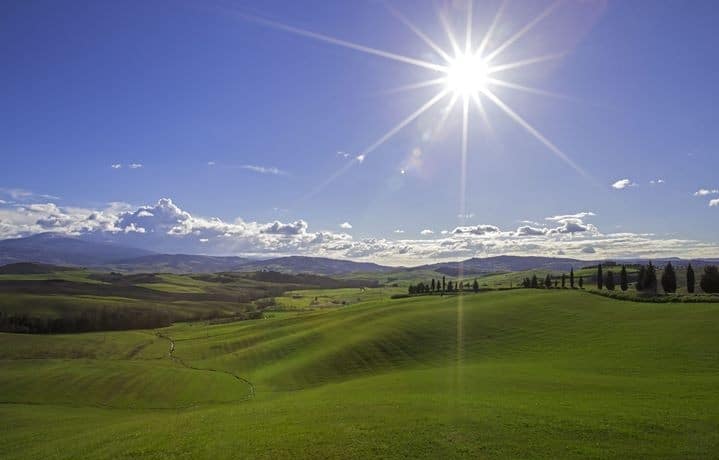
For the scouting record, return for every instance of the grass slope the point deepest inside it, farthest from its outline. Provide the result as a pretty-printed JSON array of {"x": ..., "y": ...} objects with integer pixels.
[{"x": 516, "y": 374}]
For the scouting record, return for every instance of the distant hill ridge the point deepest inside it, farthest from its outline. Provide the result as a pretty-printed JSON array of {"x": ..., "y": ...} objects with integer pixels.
[
  {"x": 59, "y": 250},
  {"x": 31, "y": 268}
]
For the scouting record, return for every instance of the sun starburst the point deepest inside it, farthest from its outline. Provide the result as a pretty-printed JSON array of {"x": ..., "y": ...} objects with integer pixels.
[{"x": 467, "y": 73}]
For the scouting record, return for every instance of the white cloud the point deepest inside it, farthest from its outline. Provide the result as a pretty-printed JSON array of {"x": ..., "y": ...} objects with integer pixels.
[
  {"x": 656, "y": 181},
  {"x": 426, "y": 231},
  {"x": 22, "y": 195},
  {"x": 265, "y": 170},
  {"x": 399, "y": 230},
  {"x": 343, "y": 154},
  {"x": 135, "y": 165},
  {"x": 622, "y": 184},
  {"x": 211, "y": 163},
  {"x": 165, "y": 227},
  {"x": 476, "y": 230},
  {"x": 527, "y": 230},
  {"x": 714, "y": 202},
  {"x": 705, "y": 192},
  {"x": 346, "y": 225},
  {"x": 298, "y": 227},
  {"x": 361, "y": 158},
  {"x": 565, "y": 217},
  {"x": 116, "y": 165}
]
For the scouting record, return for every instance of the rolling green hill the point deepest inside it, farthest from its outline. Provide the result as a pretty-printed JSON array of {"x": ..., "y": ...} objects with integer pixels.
[
  {"x": 40, "y": 300},
  {"x": 515, "y": 374}
]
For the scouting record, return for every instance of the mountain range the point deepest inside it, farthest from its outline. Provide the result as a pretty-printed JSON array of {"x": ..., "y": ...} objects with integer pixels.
[{"x": 55, "y": 249}]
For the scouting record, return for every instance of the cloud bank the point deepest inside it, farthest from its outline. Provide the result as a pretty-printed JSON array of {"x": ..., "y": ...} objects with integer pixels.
[{"x": 164, "y": 226}]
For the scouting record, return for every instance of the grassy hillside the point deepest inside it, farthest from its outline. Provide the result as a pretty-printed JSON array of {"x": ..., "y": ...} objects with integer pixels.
[
  {"x": 33, "y": 298},
  {"x": 516, "y": 374}
]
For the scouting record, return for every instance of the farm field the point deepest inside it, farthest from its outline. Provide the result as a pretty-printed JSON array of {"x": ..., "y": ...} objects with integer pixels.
[{"x": 513, "y": 374}]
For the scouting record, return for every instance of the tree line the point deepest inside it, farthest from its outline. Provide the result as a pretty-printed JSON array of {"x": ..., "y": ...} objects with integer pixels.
[
  {"x": 442, "y": 287},
  {"x": 647, "y": 279},
  {"x": 549, "y": 282},
  {"x": 86, "y": 321}
]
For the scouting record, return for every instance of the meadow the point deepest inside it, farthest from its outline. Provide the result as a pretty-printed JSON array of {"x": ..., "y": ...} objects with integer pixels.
[{"x": 510, "y": 374}]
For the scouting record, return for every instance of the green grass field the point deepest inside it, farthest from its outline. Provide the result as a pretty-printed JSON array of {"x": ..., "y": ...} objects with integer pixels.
[{"x": 515, "y": 374}]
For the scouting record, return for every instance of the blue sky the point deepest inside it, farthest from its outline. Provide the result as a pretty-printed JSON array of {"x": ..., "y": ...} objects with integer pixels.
[{"x": 232, "y": 119}]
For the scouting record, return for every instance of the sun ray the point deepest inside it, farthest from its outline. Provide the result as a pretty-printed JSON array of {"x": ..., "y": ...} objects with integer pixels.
[
  {"x": 527, "y": 89},
  {"x": 403, "y": 19},
  {"x": 490, "y": 31},
  {"x": 450, "y": 35},
  {"x": 343, "y": 43},
  {"x": 402, "y": 124},
  {"x": 468, "y": 31},
  {"x": 411, "y": 86},
  {"x": 361, "y": 157},
  {"x": 525, "y": 62},
  {"x": 463, "y": 165},
  {"x": 330, "y": 179},
  {"x": 482, "y": 112},
  {"x": 533, "y": 131},
  {"x": 523, "y": 31},
  {"x": 447, "y": 111}
]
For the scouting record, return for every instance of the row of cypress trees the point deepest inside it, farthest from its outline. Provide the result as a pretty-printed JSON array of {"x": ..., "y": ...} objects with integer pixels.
[
  {"x": 647, "y": 279},
  {"x": 550, "y": 282},
  {"x": 441, "y": 287}
]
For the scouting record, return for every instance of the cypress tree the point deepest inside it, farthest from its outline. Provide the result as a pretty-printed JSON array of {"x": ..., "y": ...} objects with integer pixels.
[
  {"x": 434, "y": 286},
  {"x": 640, "y": 278},
  {"x": 581, "y": 282},
  {"x": 564, "y": 280},
  {"x": 548, "y": 281},
  {"x": 610, "y": 280},
  {"x": 534, "y": 284},
  {"x": 710, "y": 279},
  {"x": 444, "y": 285},
  {"x": 475, "y": 286},
  {"x": 571, "y": 278},
  {"x": 600, "y": 277},
  {"x": 624, "y": 279},
  {"x": 669, "y": 279},
  {"x": 650, "y": 279},
  {"x": 691, "y": 282}
]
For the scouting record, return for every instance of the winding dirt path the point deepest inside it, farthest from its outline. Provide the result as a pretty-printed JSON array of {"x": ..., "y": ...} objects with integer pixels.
[{"x": 181, "y": 362}]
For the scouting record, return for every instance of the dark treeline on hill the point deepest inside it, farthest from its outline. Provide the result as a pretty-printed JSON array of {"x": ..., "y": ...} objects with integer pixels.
[
  {"x": 647, "y": 282},
  {"x": 443, "y": 287},
  {"x": 87, "y": 321}
]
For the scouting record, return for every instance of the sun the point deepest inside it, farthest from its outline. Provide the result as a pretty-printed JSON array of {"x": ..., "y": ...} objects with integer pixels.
[
  {"x": 467, "y": 75},
  {"x": 469, "y": 72}
]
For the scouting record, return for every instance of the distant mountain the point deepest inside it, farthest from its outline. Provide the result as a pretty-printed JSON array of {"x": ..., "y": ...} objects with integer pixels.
[
  {"x": 477, "y": 266},
  {"x": 179, "y": 263},
  {"x": 314, "y": 265},
  {"x": 56, "y": 249}
]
